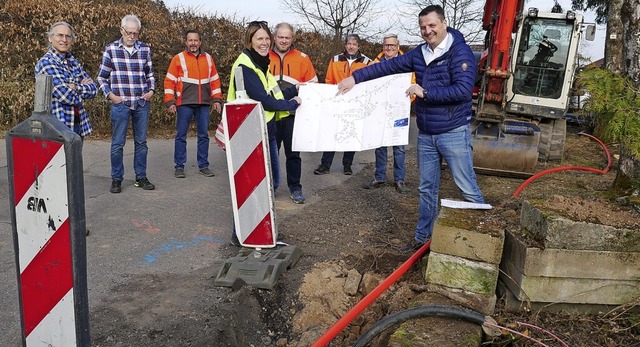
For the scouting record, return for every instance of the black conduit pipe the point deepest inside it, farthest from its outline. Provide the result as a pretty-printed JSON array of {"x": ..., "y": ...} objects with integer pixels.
[{"x": 416, "y": 313}]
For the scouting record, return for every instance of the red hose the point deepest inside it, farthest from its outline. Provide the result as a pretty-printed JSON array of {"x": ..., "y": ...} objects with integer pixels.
[
  {"x": 369, "y": 298},
  {"x": 565, "y": 168}
]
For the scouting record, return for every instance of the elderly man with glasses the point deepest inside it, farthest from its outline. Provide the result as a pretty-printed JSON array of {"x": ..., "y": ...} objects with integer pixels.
[
  {"x": 390, "y": 50},
  {"x": 71, "y": 84},
  {"x": 126, "y": 79}
]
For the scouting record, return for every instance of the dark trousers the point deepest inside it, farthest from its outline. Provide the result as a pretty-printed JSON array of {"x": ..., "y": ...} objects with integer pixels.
[
  {"x": 284, "y": 135},
  {"x": 327, "y": 158}
]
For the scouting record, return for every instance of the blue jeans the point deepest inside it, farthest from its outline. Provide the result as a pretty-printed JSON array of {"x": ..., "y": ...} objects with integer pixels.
[
  {"x": 284, "y": 135},
  {"x": 273, "y": 153},
  {"x": 455, "y": 147},
  {"x": 398, "y": 164},
  {"x": 120, "y": 115},
  {"x": 184, "y": 115},
  {"x": 327, "y": 158}
]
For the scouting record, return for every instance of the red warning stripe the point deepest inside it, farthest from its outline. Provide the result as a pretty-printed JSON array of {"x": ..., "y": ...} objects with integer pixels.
[
  {"x": 30, "y": 158},
  {"x": 47, "y": 279},
  {"x": 262, "y": 234},
  {"x": 239, "y": 114},
  {"x": 249, "y": 175}
]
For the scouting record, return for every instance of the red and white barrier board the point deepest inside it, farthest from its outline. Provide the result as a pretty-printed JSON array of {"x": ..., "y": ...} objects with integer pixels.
[
  {"x": 44, "y": 242},
  {"x": 248, "y": 162}
]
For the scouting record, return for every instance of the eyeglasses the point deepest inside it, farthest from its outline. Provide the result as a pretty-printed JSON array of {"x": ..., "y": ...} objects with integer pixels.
[
  {"x": 259, "y": 23},
  {"x": 390, "y": 45},
  {"x": 63, "y": 36},
  {"x": 130, "y": 33}
]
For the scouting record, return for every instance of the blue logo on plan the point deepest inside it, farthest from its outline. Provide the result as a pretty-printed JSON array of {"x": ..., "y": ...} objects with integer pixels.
[{"x": 401, "y": 122}]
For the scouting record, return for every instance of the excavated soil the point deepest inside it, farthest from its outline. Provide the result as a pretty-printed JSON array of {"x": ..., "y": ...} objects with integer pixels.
[{"x": 349, "y": 237}]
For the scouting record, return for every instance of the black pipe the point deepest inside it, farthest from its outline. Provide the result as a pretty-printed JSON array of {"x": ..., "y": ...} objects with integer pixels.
[{"x": 415, "y": 313}]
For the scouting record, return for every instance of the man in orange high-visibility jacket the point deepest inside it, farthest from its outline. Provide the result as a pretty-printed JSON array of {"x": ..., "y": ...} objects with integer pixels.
[
  {"x": 290, "y": 67},
  {"x": 190, "y": 87},
  {"x": 340, "y": 67}
]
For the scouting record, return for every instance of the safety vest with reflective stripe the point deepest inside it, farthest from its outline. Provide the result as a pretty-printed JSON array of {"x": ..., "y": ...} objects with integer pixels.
[
  {"x": 192, "y": 80},
  {"x": 294, "y": 67},
  {"x": 268, "y": 82},
  {"x": 340, "y": 68}
]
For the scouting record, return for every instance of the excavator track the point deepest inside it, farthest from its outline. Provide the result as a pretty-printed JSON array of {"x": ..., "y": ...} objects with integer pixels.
[{"x": 553, "y": 133}]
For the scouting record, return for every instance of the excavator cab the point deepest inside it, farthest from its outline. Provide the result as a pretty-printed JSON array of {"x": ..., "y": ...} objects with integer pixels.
[
  {"x": 541, "y": 67},
  {"x": 520, "y": 116}
]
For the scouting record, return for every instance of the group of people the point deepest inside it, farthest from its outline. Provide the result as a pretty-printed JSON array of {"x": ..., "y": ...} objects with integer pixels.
[{"x": 272, "y": 71}]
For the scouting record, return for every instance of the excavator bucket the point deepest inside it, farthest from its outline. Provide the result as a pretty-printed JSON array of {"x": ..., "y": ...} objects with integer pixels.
[{"x": 505, "y": 149}]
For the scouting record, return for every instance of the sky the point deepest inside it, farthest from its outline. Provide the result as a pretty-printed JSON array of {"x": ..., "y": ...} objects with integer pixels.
[{"x": 273, "y": 11}]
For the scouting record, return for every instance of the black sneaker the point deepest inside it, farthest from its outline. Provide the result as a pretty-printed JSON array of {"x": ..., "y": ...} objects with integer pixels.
[
  {"x": 400, "y": 188},
  {"x": 144, "y": 184},
  {"x": 321, "y": 170},
  {"x": 116, "y": 186},
  {"x": 180, "y": 173},
  {"x": 206, "y": 172},
  {"x": 347, "y": 170},
  {"x": 412, "y": 246}
]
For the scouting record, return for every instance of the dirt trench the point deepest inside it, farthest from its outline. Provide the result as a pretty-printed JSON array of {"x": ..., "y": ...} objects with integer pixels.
[{"x": 351, "y": 233}]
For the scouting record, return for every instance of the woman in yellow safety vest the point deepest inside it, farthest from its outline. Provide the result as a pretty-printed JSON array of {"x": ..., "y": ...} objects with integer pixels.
[{"x": 260, "y": 85}]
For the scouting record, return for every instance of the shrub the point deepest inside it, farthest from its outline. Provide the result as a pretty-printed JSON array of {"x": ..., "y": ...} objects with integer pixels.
[{"x": 96, "y": 23}]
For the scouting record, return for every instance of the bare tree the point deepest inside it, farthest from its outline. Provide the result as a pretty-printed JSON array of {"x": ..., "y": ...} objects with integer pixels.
[
  {"x": 463, "y": 15},
  {"x": 338, "y": 17}
]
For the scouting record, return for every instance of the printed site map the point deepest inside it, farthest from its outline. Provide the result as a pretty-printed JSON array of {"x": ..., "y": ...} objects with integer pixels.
[{"x": 371, "y": 115}]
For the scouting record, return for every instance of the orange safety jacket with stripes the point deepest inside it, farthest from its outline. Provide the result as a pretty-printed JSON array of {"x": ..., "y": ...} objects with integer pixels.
[
  {"x": 339, "y": 67},
  {"x": 294, "y": 67},
  {"x": 192, "y": 80}
]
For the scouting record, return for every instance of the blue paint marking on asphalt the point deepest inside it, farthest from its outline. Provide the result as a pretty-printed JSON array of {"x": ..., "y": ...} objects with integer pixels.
[
  {"x": 401, "y": 122},
  {"x": 175, "y": 245}
]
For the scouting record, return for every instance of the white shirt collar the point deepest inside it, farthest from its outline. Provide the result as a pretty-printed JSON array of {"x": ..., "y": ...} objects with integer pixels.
[{"x": 443, "y": 46}]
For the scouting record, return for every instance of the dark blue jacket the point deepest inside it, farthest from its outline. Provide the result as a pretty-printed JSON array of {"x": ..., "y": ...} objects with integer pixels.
[{"x": 448, "y": 81}]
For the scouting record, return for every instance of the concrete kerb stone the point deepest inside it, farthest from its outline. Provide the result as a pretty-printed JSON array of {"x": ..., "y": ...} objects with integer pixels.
[
  {"x": 512, "y": 304},
  {"x": 549, "y": 262},
  {"x": 569, "y": 276},
  {"x": 561, "y": 233},
  {"x": 568, "y": 290},
  {"x": 484, "y": 304},
  {"x": 456, "y": 272},
  {"x": 472, "y": 245}
]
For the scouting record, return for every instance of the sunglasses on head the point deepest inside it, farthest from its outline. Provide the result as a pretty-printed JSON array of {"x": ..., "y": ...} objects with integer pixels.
[{"x": 259, "y": 23}]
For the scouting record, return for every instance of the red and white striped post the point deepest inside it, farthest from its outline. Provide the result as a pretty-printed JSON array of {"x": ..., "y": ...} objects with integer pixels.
[
  {"x": 249, "y": 166},
  {"x": 49, "y": 230}
]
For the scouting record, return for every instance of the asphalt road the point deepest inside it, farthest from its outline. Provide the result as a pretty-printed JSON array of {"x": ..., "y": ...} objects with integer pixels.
[{"x": 176, "y": 228}]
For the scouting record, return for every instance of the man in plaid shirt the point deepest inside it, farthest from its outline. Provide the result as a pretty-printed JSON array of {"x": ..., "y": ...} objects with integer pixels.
[
  {"x": 71, "y": 84},
  {"x": 126, "y": 79}
]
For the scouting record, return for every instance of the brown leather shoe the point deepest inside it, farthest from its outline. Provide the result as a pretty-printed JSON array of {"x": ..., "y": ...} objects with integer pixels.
[{"x": 374, "y": 184}]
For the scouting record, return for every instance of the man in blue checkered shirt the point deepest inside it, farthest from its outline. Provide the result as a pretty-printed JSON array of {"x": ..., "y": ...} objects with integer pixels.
[
  {"x": 71, "y": 84},
  {"x": 126, "y": 79}
]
